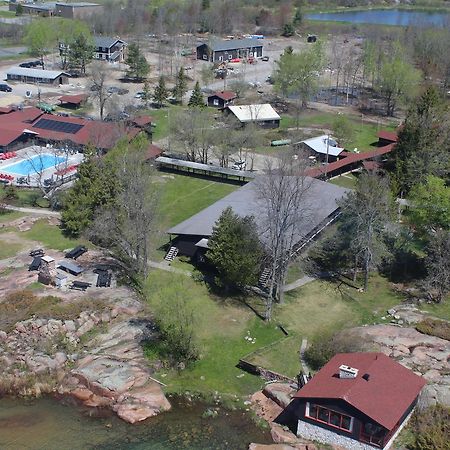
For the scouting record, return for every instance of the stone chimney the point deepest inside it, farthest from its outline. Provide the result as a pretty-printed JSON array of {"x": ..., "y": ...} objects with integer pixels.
[{"x": 346, "y": 372}]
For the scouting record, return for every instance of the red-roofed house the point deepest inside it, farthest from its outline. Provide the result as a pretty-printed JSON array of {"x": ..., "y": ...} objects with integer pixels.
[
  {"x": 357, "y": 400},
  {"x": 73, "y": 101},
  {"x": 221, "y": 99}
]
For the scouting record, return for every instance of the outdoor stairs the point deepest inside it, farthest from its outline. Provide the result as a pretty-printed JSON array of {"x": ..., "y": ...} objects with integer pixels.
[
  {"x": 171, "y": 254},
  {"x": 264, "y": 278}
]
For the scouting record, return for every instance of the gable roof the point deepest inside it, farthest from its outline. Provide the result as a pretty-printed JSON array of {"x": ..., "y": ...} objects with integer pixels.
[
  {"x": 37, "y": 73},
  {"x": 384, "y": 397},
  {"x": 250, "y": 113},
  {"x": 388, "y": 135},
  {"x": 218, "y": 45},
  {"x": 105, "y": 41},
  {"x": 74, "y": 99},
  {"x": 319, "y": 145},
  {"x": 224, "y": 95}
]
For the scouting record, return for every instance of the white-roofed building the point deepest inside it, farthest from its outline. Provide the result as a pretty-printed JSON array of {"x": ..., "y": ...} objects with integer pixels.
[
  {"x": 26, "y": 75},
  {"x": 320, "y": 146},
  {"x": 263, "y": 114}
]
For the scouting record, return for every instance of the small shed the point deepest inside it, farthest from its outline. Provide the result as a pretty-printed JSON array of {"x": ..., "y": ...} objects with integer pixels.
[
  {"x": 73, "y": 101},
  {"x": 61, "y": 280},
  {"x": 221, "y": 99}
]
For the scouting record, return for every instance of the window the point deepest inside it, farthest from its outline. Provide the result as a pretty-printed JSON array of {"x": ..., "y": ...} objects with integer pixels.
[
  {"x": 216, "y": 102},
  {"x": 373, "y": 434},
  {"x": 332, "y": 418},
  {"x": 230, "y": 56}
]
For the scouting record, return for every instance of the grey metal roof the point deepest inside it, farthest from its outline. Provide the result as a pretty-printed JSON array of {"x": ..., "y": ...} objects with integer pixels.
[
  {"x": 203, "y": 167},
  {"x": 36, "y": 73},
  {"x": 41, "y": 6},
  {"x": 320, "y": 202},
  {"x": 105, "y": 41},
  {"x": 219, "y": 45},
  {"x": 78, "y": 4},
  {"x": 71, "y": 267}
]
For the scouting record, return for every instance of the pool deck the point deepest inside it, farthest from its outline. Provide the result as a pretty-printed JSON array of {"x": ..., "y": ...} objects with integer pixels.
[{"x": 28, "y": 153}]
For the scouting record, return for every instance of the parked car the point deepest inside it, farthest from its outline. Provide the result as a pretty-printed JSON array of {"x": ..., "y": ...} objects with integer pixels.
[
  {"x": 5, "y": 88},
  {"x": 239, "y": 165},
  {"x": 139, "y": 95},
  {"x": 265, "y": 58}
]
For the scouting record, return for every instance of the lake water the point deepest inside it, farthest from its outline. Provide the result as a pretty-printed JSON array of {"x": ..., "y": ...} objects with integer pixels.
[
  {"x": 387, "y": 17},
  {"x": 46, "y": 424}
]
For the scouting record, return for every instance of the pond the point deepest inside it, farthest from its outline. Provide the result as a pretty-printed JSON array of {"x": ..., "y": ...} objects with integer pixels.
[
  {"x": 49, "y": 424},
  {"x": 387, "y": 17}
]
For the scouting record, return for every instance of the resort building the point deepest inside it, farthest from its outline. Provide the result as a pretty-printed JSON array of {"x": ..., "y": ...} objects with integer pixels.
[
  {"x": 219, "y": 50},
  {"x": 263, "y": 115},
  {"x": 28, "y": 75},
  {"x": 358, "y": 401},
  {"x": 109, "y": 49}
]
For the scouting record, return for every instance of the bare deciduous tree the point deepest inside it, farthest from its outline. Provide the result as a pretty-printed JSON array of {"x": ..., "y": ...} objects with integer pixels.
[
  {"x": 99, "y": 77},
  {"x": 283, "y": 193}
]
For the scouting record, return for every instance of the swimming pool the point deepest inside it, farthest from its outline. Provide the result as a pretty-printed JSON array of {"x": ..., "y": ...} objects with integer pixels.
[{"x": 33, "y": 165}]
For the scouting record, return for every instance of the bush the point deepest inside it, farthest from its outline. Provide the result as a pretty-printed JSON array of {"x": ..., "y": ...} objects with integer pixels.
[
  {"x": 431, "y": 429},
  {"x": 324, "y": 348},
  {"x": 434, "y": 327}
]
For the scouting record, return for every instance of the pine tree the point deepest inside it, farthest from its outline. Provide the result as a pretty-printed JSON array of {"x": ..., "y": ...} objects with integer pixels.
[
  {"x": 81, "y": 51},
  {"x": 161, "y": 93},
  {"x": 180, "y": 87},
  {"x": 146, "y": 94},
  {"x": 138, "y": 65},
  {"x": 196, "y": 99},
  {"x": 298, "y": 17}
]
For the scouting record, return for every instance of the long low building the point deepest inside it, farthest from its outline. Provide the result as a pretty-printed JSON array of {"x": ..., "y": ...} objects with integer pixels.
[
  {"x": 27, "y": 75},
  {"x": 320, "y": 204},
  {"x": 262, "y": 114}
]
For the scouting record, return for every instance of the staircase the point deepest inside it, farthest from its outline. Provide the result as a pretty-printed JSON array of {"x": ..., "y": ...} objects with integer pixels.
[
  {"x": 171, "y": 254},
  {"x": 264, "y": 278}
]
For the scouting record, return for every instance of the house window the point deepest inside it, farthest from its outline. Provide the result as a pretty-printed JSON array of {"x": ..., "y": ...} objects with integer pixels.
[
  {"x": 230, "y": 56},
  {"x": 216, "y": 102},
  {"x": 373, "y": 434},
  {"x": 328, "y": 416}
]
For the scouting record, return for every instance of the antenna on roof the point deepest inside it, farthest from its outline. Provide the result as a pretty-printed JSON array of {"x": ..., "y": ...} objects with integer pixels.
[{"x": 366, "y": 376}]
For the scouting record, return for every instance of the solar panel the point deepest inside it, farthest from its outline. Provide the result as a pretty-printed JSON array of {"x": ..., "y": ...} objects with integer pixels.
[{"x": 57, "y": 125}]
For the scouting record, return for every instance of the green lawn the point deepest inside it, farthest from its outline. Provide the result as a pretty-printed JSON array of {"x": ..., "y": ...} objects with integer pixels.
[
  {"x": 8, "y": 250},
  {"x": 28, "y": 197},
  {"x": 51, "y": 236},
  {"x": 7, "y": 215},
  {"x": 184, "y": 196},
  {"x": 365, "y": 133},
  {"x": 346, "y": 181}
]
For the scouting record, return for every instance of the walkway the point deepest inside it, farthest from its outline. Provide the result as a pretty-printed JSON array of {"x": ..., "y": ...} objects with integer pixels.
[
  {"x": 38, "y": 211},
  {"x": 306, "y": 368},
  {"x": 298, "y": 283},
  {"x": 163, "y": 265}
]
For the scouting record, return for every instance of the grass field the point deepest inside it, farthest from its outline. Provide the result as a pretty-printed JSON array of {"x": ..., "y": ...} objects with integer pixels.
[
  {"x": 8, "y": 250},
  {"x": 346, "y": 181},
  {"x": 222, "y": 324},
  {"x": 51, "y": 236},
  {"x": 7, "y": 215},
  {"x": 365, "y": 133},
  {"x": 28, "y": 197}
]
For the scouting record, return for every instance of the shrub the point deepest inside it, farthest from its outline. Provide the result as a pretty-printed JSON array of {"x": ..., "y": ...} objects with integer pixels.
[
  {"x": 324, "y": 348},
  {"x": 431, "y": 429},
  {"x": 434, "y": 327}
]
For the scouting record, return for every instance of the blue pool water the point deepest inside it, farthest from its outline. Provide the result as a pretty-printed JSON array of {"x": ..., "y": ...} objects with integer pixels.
[{"x": 33, "y": 165}]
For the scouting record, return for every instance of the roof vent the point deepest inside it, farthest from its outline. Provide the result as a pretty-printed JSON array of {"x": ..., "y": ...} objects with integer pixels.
[
  {"x": 366, "y": 376},
  {"x": 346, "y": 372}
]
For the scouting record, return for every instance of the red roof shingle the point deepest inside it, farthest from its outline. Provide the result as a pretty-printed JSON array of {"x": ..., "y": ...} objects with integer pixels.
[
  {"x": 225, "y": 95},
  {"x": 388, "y": 135},
  {"x": 74, "y": 99},
  {"x": 384, "y": 397}
]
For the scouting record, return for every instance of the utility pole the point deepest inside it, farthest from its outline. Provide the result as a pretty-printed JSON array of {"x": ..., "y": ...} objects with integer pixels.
[{"x": 326, "y": 162}]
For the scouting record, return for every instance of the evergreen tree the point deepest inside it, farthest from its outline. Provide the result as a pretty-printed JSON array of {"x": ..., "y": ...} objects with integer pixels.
[
  {"x": 196, "y": 99},
  {"x": 138, "y": 67},
  {"x": 298, "y": 17},
  {"x": 81, "y": 51},
  {"x": 146, "y": 94},
  {"x": 180, "y": 87},
  {"x": 19, "y": 9},
  {"x": 161, "y": 93},
  {"x": 288, "y": 30},
  {"x": 235, "y": 250}
]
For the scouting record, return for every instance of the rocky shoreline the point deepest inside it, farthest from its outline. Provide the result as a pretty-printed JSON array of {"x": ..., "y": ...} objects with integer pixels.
[{"x": 96, "y": 359}]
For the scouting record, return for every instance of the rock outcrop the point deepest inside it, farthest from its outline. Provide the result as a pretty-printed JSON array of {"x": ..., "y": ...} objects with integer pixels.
[{"x": 115, "y": 374}]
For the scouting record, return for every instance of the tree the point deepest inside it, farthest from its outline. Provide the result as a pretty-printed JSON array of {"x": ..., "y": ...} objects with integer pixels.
[
  {"x": 41, "y": 38},
  {"x": 288, "y": 30},
  {"x": 423, "y": 146},
  {"x": 196, "y": 100},
  {"x": 81, "y": 52},
  {"x": 235, "y": 250},
  {"x": 437, "y": 263},
  {"x": 343, "y": 130},
  {"x": 146, "y": 94},
  {"x": 138, "y": 67},
  {"x": 126, "y": 225},
  {"x": 207, "y": 73},
  {"x": 398, "y": 79},
  {"x": 282, "y": 196},
  {"x": 99, "y": 76},
  {"x": 298, "y": 18},
  {"x": 180, "y": 87},
  {"x": 19, "y": 9},
  {"x": 297, "y": 74},
  {"x": 430, "y": 428},
  {"x": 430, "y": 205},
  {"x": 161, "y": 92},
  {"x": 365, "y": 213},
  {"x": 96, "y": 187}
]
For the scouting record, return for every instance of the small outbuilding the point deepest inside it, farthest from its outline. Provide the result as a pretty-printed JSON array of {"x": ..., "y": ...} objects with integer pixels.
[
  {"x": 28, "y": 75},
  {"x": 264, "y": 115},
  {"x": 357, "y": 401},
  {"x": 320, "y": 147},
  {"x": 221, "y": 99},
  {"x": 73, "y": 101}
]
